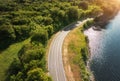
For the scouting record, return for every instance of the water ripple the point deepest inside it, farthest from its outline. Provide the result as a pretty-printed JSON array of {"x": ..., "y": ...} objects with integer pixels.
[{"x": 105, "y": 51}]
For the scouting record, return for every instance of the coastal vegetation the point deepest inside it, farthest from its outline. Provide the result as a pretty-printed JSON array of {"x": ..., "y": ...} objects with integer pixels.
[
  {"x": 78, "y": 52},
  {"x": 27, "y": 25},
  {"x": 110, "y": 9}
]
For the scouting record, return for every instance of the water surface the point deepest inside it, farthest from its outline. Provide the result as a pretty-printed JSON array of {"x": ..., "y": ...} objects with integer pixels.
[{"x": 105, "y": 51}]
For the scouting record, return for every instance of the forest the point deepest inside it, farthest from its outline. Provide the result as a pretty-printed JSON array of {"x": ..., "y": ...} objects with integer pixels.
[{"x": 37, "y": 21}]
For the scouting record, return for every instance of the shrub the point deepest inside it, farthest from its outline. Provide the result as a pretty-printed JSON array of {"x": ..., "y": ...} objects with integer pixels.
[
  {"x": 84, "y": 55},
  {"x": 38, "y": 19},
  {"x": 49, "y": 29},
  {"x": 30, "y": 52},
  {"x": 32, "y": 55},
  {"x": 22, "y": 32},
  {"x": 18, "y": 77},
  {"x": 15, "y": 67},
  {"x": 88, "y": 24},
  {"x": 6, "y": 7},
  {"x": 83, "y": 5},
  {"x": 72, "y": 14},
  {"x": 20, "y": 21},
  {"x": 37, "y": 75},
  {"x": 39, "y": 36},
  {"x": 7, "y": 36},
  {"x": 47, "y": 20},
  {"x": 35, "y": 64}
]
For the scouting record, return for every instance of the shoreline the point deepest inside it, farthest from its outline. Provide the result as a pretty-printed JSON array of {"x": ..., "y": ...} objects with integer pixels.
[
  {"x": 102, "y": 26},
  {"x": 91, "y": 76},
  {"x": 104, "y": 19},
  {"x": 69, "y": 56}
]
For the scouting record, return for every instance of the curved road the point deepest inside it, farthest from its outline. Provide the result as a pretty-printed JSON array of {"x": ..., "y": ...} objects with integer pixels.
[{"x": 55, "y": 62}]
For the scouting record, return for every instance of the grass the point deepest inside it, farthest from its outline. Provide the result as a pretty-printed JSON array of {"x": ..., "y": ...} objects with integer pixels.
[
  {"x": 76, "y": 42},
  {"x": 7, "y": 56}
]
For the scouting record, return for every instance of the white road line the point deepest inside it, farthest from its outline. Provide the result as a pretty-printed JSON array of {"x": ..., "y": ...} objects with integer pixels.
[{"x": 55, "y": 62}]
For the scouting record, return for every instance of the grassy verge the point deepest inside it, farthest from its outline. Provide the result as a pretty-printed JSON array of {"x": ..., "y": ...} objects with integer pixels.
[
  {"x": 7, "y": 56},
  {"x": 77, "y": 53}
]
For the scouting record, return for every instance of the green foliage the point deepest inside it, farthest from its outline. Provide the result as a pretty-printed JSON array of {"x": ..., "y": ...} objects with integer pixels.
[
  {"x": 18, "y": 77},
  {"x": 4, "y": 21},
  {"x": 6, "y": 33},
  {"x": 88, "y": 24},
  {"x": 35, "y": 64},
  {"x": 5, "y": 8},
  {"x": 39, "y": 36},
  {"x": 37, "y": 20},
  {"x": 20, "y": 21},
  {"x": 73, "y": 14},
  {"x": 31, "y": 64},
  {"x": 15, "y": 67},
  {"x": 26, "y": 55},
  {"x": 49, "y": 29},
  {"x": 26, "y": 16},
  {"x": 8, "y": 58},
  {"x": 47, "y": 20},
  {"x": 78, "y": 48},
  {"x": 43, "y": 20},
  {"x": 36, "y": 75},
  {"x": 22, "y": 32},
  {"x": 95, "y": 11},
  {"x": 61, "y": 14},
  {"x": 84, "y": 55},
  {"x": 83, "y": 5}
]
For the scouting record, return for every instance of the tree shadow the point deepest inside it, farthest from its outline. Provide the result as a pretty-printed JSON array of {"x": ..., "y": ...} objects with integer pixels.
[
  {"x": 13, "y": 69},
  {"x": 71, "y": 26}
]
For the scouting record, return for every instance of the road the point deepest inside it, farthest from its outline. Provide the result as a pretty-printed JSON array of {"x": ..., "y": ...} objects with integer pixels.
[{"x": 55, "y": 62}]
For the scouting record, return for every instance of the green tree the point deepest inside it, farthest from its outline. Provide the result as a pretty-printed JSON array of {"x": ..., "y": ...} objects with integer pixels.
[
  {"x": 18, "y": 77},
  {"x": 47, "y": 20},
  {"x": 83, "y": 5},
  {"x": 36, "y": 75},
  {"x": 20, "y": 21},
  {"x": 49, "y": 29},
  {"x": 73, "y": 14},
  {"x": 30, "y": 52},
  {"x": 7, "y": 35},
  {"x": 15, "y": 67},
  {"x": 35, "y": 64},
  {"x": 39, "y": 36}
]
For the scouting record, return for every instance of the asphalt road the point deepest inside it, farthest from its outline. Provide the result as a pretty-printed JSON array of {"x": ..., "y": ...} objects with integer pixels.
[{"x": 55, "y": 62}]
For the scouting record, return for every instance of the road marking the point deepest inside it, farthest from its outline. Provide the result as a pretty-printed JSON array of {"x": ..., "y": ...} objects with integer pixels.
[{"x": 55, "y": 62}]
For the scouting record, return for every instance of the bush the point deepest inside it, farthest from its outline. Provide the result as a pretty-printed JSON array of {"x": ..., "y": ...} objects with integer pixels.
[
  {"x": 4, "y": 21},
  {"x": 31, "y": 64},
  {"x": 6, "y": 7},
  {"x": 35, "y": 64},
  {"x": 84, "y": 55},
  {"x": 38, "y": 19},
  {"x": 73, "y": 14},
  {"x": 32, "y": 55},
  {"x": 47, "y": 20},
  {"x": 20, "y": 21},
  {"x": 88, "y": 24},
  {"x": 7, "y": 36},
  {"x": 13, "y": 70},
  {"x": 40, "y": 36},
  {"x": 37, "y": 75},
  {"x": 30, "y": 52},
  {"x": 83, "y": 5},
  {"x": 49, "y": 29},
  {"x": 22, "y": 32},
  {"x": 18, "y": 77},
  {"x": 15, "y": 67}
]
